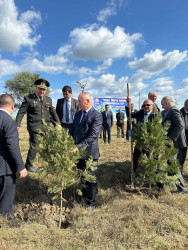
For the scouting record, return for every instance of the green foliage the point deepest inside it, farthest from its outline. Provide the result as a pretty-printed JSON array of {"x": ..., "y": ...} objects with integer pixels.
[
  {"x": 157, "y": 162},
  {"x": 22, "y": 84},
  {"x": 57, "y": 149}
]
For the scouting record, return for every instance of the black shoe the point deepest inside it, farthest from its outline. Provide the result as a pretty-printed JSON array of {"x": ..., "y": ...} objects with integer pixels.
[
  {"x": 12, "y": 222},
  {"x": 182, "y": 192},
  {"x": 32, "y": 169}
]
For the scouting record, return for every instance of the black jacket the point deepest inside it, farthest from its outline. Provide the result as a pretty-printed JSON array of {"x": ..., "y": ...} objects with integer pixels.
[
  {"x": 10, "y": 156},
  {"x": 60, "y": 104},
  {"x": 38, "y": 112}
]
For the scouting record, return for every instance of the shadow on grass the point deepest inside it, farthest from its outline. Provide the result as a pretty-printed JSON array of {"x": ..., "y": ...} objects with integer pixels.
[
  {"x": 31, "y": 189},
  {"x": 114, "y": 174}
]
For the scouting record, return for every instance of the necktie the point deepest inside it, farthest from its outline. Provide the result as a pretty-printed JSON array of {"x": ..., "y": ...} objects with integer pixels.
[
  {"x": 67, "y": 111},
  {"x": 83, "y": 115}
]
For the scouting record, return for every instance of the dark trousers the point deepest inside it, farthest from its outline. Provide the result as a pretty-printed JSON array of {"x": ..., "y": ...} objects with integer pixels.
[
  {"x": 128, "y": 130},
  {"x": 182, "y": 156},
  {"x": 31, "y": 155},
  {"x": 7, "y": 192},
  {"x": 67, "y": 126},
  {"x": 89, "y": 190},
  {"x": 108, "y": 130},
  {"x": 120, "y": 129}
]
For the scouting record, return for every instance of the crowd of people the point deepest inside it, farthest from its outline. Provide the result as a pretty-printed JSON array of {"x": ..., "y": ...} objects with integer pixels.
[{"x": 85, "y": 124}]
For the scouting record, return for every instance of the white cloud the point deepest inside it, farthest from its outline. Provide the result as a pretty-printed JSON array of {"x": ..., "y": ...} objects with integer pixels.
[
  {"x": 155, "y": 62},
  {"x": 106, "y": 85},
  {"x": 163, "y": 84},
  {"x": 8, "y": 67},
  {"x": 107, "y": 12},
  {"x": 16, "y": 31},
  {"x": 185, "y": 82},
  {"x": 101, "y": 43}
]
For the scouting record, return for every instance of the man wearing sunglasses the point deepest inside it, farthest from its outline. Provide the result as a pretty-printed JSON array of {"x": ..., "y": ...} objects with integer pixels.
[{"x": 143, "y": 115}]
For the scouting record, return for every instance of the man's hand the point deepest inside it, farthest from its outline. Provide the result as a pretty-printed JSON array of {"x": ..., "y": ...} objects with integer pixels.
[
  {"x": 18, "y": 128},
  {"x": 75, "y": 149},
  {"x": 128, "y": 99},
  {"x": 23, "y": 173}
]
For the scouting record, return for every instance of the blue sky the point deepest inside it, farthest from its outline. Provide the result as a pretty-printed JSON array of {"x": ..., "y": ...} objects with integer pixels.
[{"x": 102, "y": 43}]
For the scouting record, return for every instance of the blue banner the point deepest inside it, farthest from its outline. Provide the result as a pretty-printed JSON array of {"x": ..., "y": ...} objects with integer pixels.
[{"x": 114, "y": 103}]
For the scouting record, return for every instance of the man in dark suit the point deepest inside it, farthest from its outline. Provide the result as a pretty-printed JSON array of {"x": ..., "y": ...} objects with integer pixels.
[
  {"x": 120, "y": 123},
  {"x": 142, "y": 116},
  {"x": 184, "y": 112},
  {"x": 152, "y": 95},
  {"x": 176, "y": 133},
  {"x": 66, "y": 108},
  {"x": 86, "y": 127},
  {"x": 10, "y": 158},
  {"x": 39, "y": 110},
  {"x": 107, "y": 123},
  {"x": 133, "y": 110}
]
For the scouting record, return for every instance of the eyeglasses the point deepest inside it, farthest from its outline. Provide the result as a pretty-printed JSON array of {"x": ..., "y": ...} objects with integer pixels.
[{"x": 146, "y": 105}]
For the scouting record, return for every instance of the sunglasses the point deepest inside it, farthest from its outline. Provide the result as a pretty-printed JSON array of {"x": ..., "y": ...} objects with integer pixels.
[{"x": 146, "y": 105}]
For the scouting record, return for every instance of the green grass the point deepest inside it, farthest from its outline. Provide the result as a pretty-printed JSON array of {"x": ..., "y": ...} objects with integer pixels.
[{"x": 123, "y": 219}]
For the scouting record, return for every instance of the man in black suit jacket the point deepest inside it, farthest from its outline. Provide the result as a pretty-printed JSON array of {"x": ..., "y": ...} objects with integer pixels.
[
  {"x": 10, "y": 157},
  {"x": 184, "y": 112},
  {"x": 176, "y": 133},
  {"x": 86, "y": 127},
  {"x": 142, "y": 116},
  {"x": 120, "y": 123},
  {"x": 66, "y": 108},
  {"x": 133, "y": 110},
  {"x": 107, "y": 123},
  {"x": 39, "y": 109}
]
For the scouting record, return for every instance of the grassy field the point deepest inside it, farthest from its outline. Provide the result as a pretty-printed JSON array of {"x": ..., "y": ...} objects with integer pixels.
[{"x": 124, "y": 218}]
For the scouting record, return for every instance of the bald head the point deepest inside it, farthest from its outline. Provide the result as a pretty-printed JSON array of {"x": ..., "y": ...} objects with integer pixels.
[
  {"x": 152, "y": 95},
  {"x": 7, "y": 102},
  {"x": 84, "y": 101}
]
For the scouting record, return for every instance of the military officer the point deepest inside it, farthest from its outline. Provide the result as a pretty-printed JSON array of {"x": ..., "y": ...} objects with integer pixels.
[{"x": 39, "y": 109}]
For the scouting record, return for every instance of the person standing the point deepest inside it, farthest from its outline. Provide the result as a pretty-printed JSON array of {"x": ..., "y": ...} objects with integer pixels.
[
  {"x": 86, "y": 127},
  {"x": 107, "y": 123},
  {"x": 143, "y": 115},
  {"x": 10, "y": 158},
  {"x": 184, "y": 112},
  {"x": 120, "y": 123},
  {"x": 133, "y": 111},
  {"x": 175, "y": 133},
  {"x": 101, "y": 132},
  {"x": 39, "y": 111},
  {"x": 66, "y": 108},
  {"x": 152, "y": 95}
]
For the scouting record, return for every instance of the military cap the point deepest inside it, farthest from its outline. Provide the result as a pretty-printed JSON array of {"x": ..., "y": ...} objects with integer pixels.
[{"x": 42, "y": 83}]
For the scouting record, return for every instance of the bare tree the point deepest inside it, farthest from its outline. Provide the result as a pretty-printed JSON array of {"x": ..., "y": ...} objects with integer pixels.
[{"x": 82, "y": 85}]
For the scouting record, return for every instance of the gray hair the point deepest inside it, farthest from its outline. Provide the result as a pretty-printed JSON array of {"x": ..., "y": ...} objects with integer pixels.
[
  {"x": 151, "y": 93},
  {"x": 167, "y": 99}
]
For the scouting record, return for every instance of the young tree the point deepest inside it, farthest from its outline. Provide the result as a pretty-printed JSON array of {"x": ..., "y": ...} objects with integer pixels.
[
  {"x": 157, "y": 163},
  {"x": 57, "y": 149}
]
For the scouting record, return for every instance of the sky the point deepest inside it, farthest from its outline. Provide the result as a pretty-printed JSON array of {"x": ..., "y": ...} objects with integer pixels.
[{"x": 104, "y": 44}]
